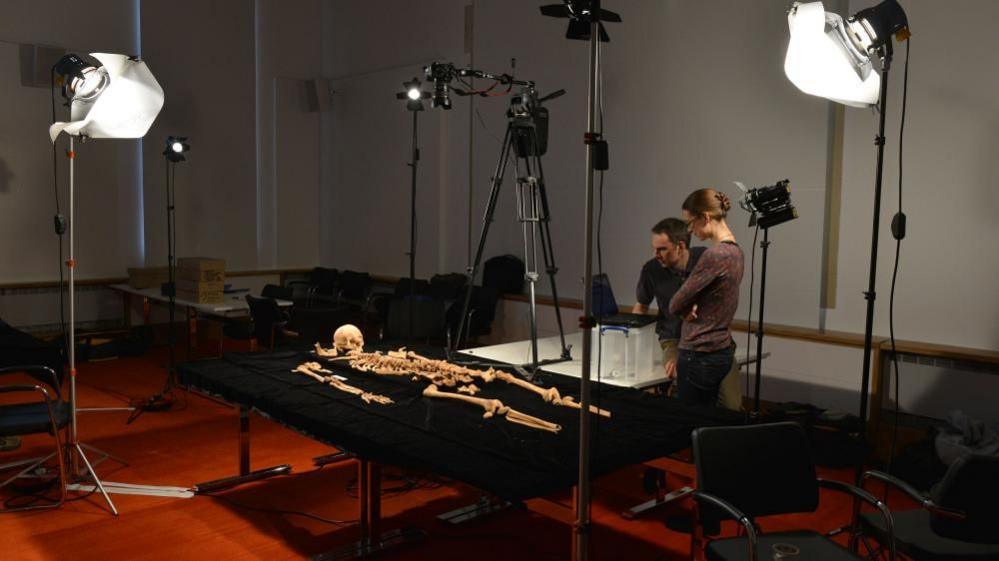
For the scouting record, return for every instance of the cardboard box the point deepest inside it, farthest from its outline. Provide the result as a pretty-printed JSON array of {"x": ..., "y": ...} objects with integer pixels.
[
  {"x": 199, "y": 297},
  {"x": 147, "y": 277},
  {"x": 201, "y": 269}
]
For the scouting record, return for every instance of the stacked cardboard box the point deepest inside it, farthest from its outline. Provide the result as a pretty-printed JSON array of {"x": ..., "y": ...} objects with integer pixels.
[{"x": 200, "y": 279}]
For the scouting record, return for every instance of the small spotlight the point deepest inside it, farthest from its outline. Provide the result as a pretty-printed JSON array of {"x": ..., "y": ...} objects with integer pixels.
[
  {"x": 413, "y": 95},
  {"x": 175, "y": 148}
]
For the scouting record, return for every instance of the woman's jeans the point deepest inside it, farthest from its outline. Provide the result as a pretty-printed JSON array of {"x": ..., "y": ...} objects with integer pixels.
[{"x": 699, "y": 374}]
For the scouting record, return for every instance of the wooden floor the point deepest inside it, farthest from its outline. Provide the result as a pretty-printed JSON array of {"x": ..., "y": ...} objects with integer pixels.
[{"x": 197, "y": 441}]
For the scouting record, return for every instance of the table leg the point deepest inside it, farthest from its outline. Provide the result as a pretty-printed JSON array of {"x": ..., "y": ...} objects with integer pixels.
[{"x": 244, "y": 440}]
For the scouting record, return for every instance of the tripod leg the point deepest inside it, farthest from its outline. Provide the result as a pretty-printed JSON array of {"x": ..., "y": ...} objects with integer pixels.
[
  {"x": 97, "y": 480},
  {"x": 548, "y": 253},
  {"x": 486, "y": 221},
  {"x": 529, "y": 215}
]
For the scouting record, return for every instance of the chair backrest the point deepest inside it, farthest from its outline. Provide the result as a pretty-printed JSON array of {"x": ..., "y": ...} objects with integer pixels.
[
  {"x": 276, "y": 292},
  {"x": 505, "y": 273},
  {"x": 971, "y": 485},
  {"x": 761, "y": 469},
  {"x": 448, "y": 286},
  {"x": 265, "y": 313},
  {"x": 420, "y": 287},
  {"x": 324, "y": 280},
  {"x": 482, "y": 308},
  {"x": 428, "y": 318},
  {"x": 355, "y": 285}
]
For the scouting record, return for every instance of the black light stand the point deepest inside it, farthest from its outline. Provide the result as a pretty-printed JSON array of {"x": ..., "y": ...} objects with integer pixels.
[
  {"x": 173, "y": 153},
  {"x": 885, "y": 52},
  {"x": 770, "y": 206},
  {"x": 764, "y": 245},
  {"x": 414, "y": 96}
]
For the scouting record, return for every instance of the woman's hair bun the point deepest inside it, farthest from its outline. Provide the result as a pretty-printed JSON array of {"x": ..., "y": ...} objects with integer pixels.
[{"x": 723, "y": 200}]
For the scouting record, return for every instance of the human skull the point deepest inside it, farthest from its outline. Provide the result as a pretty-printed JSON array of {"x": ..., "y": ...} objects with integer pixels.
[{"x": 348, "y": 337}]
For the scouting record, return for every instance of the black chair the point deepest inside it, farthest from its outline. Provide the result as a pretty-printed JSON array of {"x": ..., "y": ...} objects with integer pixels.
[
  {"x": 269, "y": 321},
  {"x": 448, "y": 287},
  {"x": 956, "y": 521},
  {"x": 428, "y": 319},
  {"x": 320, "y": 290},
  {"x": 481, "y": 313},
  {"x": 745, "y": 472},
  {"x": 276, "y": 292},
  {"x": 355, "y": 289},
  {"x": 47, "y": 413}
]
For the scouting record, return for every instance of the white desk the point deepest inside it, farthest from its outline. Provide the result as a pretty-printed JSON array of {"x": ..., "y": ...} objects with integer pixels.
[
  {"x": 233, "y": 306},
  {"x": 519, "y": 353}
]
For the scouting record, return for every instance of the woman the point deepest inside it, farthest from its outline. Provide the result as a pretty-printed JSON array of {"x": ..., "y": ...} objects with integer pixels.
[{"x": 707, "y": 301}]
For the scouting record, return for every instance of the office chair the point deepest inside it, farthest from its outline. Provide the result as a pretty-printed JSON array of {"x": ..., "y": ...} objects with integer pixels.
[
  {"x": 745, "y": 472},
  {"x": 47, "y": 413},
  {"x": 957, "y": 521}
]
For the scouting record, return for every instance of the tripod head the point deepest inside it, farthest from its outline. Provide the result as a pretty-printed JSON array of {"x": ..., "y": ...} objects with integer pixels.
[{"x": 529, "y": 120}]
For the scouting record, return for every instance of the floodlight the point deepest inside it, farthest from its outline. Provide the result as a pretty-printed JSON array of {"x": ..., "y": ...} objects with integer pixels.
[
  {"x": 831, "y": 58},
  {"x": 110, "y": 96},
  {"x": 117, "y": 98}
]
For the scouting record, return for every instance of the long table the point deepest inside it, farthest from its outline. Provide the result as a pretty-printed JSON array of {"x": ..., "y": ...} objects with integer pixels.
[
  {"x": 448, "y": 438},
  {"x": 233, "y": 305}
]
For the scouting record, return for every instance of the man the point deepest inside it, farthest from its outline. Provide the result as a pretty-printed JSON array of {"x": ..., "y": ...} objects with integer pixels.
[{"x": 661, "y": 277}]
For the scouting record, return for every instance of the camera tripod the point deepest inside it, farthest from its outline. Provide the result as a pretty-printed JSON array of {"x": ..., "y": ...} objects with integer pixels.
[{"x": 526, "y": 134}]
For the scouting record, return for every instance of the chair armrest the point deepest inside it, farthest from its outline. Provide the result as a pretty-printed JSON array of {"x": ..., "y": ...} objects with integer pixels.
[
  {"x": 46, "y": 398},
  {"x": 734, "y": 513},
  {"x": 53, "y": 379},
  {"x": 870, "y": 499},
  {"x": 924, "y": 501}
]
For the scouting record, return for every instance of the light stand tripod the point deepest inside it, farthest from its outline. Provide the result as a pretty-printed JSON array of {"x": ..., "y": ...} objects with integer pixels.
[
  {"x": 522, "y": 135},
  {"x": 174, "y": 152}
]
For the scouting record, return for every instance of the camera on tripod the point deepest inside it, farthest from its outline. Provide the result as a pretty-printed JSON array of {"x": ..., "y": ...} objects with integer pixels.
[
  {"x": 770, "y": 205},
  {"x": 441, "y": 74},
  {"x": 528, "y": 123}
]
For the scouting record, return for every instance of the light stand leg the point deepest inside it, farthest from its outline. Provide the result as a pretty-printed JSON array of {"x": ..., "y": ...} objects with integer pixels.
[
  {"x": 765, "y": 245},
  {"x": 74, "y": 450}
]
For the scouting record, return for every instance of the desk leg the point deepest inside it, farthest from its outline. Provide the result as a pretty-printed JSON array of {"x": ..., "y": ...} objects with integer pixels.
[
  {"x": 192, "y": 331},
  {"x": 244, "y": 440},
  {"x": 372, "y": 540},
  {"x": 245, "y": 475}
]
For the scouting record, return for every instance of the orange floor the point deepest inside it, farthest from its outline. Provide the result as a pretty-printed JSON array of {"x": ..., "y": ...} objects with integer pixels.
[{"x": 197, "y": 441}]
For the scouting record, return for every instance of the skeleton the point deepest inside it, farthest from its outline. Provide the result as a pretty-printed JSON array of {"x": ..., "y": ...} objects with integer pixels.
[
  {"x": 495, "y": 407},
  {"x": 348, "y": 338},
  {"x": 316, "y": 371},
  {"x": 470, "y": 389},
  {"x": 443, "y": 373}
]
